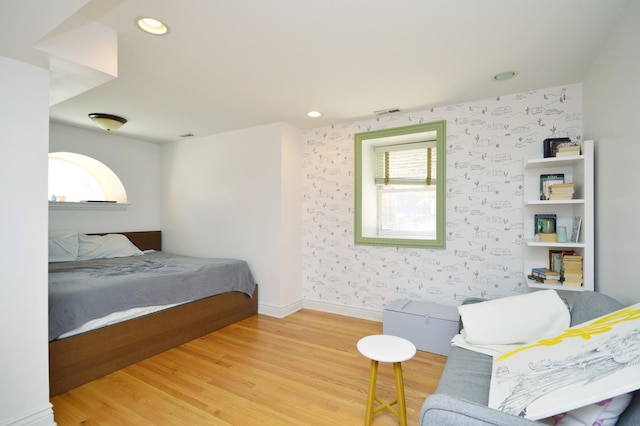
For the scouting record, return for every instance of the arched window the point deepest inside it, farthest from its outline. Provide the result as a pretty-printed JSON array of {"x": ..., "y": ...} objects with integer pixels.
[{"x": 77, "y": 178}]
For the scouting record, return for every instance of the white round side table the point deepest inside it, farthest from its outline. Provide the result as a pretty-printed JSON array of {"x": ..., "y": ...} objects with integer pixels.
[{"x": 386, "y": 348}]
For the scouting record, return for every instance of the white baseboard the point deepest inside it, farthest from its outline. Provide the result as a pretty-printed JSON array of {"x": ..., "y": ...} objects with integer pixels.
[
  {"x": 349, "y": 311},
  {"x": 41, "y": 417},
  {"x": 279, "y": 311}
]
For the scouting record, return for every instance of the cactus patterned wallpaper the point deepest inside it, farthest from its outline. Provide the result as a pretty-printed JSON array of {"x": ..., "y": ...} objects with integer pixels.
[{"x": 487, "y": 141}]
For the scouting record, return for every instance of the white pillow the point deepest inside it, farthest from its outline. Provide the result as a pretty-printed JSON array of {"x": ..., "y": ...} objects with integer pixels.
[
  {"x": 603, "y": 413},
  {"x": 105, "y": 247},
  {"x": 63, "y": 246},
  {"x": 515, "y": 319}
]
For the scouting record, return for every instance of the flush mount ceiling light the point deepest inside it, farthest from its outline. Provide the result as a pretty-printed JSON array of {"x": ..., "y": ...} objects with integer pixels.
[
  {"x": 152, "y": 26},
  {"x": 504, "y": 75},
  {"x": 107, "y": 121},
  {"x": 314, "y": 114}
]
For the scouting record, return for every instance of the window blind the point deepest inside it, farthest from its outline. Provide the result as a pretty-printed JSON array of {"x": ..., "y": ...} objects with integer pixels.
[{"x": 406, "y": 164}]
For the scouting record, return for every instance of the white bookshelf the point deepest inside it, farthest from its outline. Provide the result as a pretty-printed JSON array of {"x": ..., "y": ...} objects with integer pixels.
[{"x": 578, "y": 170}]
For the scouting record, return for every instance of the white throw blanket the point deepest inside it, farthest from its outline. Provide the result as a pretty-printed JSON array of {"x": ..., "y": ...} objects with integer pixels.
[
  {"x": 500, "y": 325},
  {"x": 491, "y": 350}
]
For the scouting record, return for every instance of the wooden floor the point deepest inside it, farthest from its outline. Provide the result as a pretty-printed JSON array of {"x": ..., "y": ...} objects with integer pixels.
[{"x": 300, "y": 370}]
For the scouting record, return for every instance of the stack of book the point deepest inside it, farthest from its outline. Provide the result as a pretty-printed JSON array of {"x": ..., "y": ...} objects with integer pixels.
[
  {"x": 572, "y": 270},
  {"x": 568, "y": 151},
  {"x": 548, "y": 180},
  {"x": 544, "y": 276},
  {"x": 561, "y": 191}
]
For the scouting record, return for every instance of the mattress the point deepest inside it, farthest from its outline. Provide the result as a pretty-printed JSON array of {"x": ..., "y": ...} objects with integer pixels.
[
  {"x": 82, "y": 291},
  {"x": 116, "y": 317}
]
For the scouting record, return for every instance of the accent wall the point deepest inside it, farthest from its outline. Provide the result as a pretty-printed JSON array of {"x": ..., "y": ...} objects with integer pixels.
[{"x": 486, "y": 143}]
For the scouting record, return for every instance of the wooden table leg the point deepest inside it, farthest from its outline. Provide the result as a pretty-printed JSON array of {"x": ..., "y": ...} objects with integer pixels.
[
  {"x": 402, "y": 408},
  {"x": 373, "y": 375}
]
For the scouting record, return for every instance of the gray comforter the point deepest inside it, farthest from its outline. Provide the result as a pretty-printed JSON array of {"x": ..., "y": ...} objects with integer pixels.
[{"x": 84, "y": 290}]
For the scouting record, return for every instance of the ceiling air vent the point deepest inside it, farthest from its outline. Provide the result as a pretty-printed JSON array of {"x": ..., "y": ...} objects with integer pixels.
[{"x": 387, "y": 111}]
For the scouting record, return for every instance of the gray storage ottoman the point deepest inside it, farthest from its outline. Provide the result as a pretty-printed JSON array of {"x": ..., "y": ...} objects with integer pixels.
[{"x": 427, "y": 325}]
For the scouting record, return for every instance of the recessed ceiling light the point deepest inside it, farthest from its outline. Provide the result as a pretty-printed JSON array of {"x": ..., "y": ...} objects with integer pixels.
[
  {"x": 504, "y": 75},
  {"x": 152, "y": 26},
  {"x": 314, "y": 114}
]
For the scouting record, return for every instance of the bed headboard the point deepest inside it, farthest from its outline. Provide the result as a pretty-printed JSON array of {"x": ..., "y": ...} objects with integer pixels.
[{"x": 144, "y": 240}]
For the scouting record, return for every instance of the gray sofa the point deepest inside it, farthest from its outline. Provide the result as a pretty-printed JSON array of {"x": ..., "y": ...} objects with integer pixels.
[{"x": 463, "y": 392}]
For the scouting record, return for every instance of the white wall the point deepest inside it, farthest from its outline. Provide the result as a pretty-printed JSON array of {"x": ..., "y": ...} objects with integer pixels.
[
  {"x": 24, "y": 371},
  {"x": 135, "y": 162},
  {"x": 487, "y": 141},
  {"x": 224, "y": 195},
  {"x": 290, "y": 218},
  {"x": 612, "y": 107}
]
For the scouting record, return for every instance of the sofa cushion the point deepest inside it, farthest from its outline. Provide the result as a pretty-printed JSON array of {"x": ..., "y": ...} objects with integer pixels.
[
  {"x": 446, "y": 410},
  {"x": 631, "y": 416},
  {"x": 467, "y": 375},
  {"x": 589, "y": 305}
]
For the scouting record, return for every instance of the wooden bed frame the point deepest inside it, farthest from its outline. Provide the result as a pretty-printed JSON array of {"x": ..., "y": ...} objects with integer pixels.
[{"x": 82, "y": 358}]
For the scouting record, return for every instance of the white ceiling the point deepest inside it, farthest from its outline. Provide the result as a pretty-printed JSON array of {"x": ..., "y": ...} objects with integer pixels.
[{"x": 227, "y": 65}]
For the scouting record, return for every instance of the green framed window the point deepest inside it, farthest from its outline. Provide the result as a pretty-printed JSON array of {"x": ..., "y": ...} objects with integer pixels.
[{"x": 399, "y": 184}]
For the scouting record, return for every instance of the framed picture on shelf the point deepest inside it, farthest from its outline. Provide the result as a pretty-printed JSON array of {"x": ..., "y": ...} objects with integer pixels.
[
  {"x": 546, "y": 181},
  {"x": 555, "y": 260},
  {"x": 551, "y": 145},
  {"x": 544, "y": 223},
  {"x": 577, "y": 224}
]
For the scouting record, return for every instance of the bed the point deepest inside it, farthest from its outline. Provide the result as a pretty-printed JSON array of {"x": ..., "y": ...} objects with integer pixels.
[{"x": 88, "y": 355}]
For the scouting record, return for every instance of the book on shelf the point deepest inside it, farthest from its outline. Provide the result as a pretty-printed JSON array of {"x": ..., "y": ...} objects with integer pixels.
[
  {"x": 567, "y": 154},
  {"x": 545, "y": 274},
  {"x": 546, "y": 180},
  {"x": 572, "y": 274},
  {"x": 550, "y": 277},
  {"x": 572, "y": 261},
  {"x": 573, "y": 146},
  {"x": 541, "y": 272},
  {"x": 571, "y": 267},
  {"x": 552, "y": 145},
  {"x": 562, "y": 187},
  {"x": 547, "y": 237},
  {"x": 561, "y": 191},
  {"x": 568, "y": 196},
  {"x": 572, "y": 277},
  {"x": 539, "y": 280},
  {"x": 572, "y": 254},
  {"x": 568, "y": 151}
]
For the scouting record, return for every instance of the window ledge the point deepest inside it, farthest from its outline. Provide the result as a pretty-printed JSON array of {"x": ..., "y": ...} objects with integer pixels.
[{"x": 65, "y": 205}]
